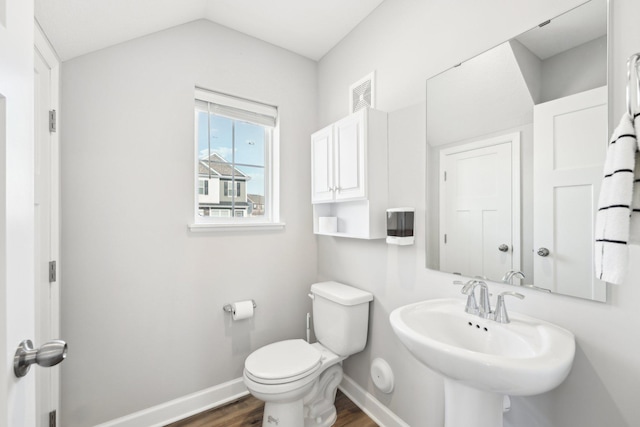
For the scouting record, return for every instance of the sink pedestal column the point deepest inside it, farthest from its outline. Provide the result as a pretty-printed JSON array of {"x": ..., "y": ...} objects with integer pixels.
[{"x": 465, "y": 406}]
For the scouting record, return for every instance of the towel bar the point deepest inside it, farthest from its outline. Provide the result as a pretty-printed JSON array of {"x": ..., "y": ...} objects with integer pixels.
[{"x": 633, "y": 72}]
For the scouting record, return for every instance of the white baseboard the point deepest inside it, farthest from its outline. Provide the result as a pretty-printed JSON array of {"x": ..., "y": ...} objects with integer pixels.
[
  {"x": 183, "y": 407},
  {"x": 371, "y": 406}
]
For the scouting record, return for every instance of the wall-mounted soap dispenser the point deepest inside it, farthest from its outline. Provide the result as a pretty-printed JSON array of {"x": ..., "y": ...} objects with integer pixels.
[{"x": 400, "y": 226}]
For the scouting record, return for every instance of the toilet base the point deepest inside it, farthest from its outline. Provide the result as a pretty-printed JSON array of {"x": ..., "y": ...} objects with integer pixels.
[
  {"x": 319, "y": 404},
  {"x": 315, "y": 408},
  {"x": 282, "y": 414}
]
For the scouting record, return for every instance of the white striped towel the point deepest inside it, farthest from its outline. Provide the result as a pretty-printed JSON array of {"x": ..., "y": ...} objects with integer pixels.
[
  {"x": 634, "y": 232},
  {"x": 617, "y": 195}
]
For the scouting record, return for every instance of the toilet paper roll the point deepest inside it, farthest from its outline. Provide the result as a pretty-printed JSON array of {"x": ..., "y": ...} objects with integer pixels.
[{"x": 242, "y": 310}]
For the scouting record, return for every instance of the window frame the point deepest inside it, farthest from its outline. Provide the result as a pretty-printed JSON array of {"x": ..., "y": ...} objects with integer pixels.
[
  {"x": 271, "y": 217},
  {"x": 204, "y": 187}
]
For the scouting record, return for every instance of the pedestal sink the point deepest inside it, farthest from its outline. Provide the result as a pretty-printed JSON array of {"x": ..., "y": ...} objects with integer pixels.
[{"x": 483, "y": 360}]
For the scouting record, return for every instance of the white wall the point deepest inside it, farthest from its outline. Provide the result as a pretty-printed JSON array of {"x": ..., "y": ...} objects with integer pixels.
[
  {"x": 142, "y": 296},
  {"x": 406, "y": 42},
  {"x": 488, "y": 92},
  {"x": 575, "y": 70}
]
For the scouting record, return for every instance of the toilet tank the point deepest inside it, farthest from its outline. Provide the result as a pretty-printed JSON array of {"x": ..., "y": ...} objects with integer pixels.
[{"x": 340, "y": 317}]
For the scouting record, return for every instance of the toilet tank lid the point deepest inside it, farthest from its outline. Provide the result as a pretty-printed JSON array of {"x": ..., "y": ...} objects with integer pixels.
[{"x": 342, "y": 294}]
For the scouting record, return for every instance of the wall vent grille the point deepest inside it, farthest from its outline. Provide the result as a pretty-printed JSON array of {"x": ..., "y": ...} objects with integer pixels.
[{"x": 362, "y": 93}]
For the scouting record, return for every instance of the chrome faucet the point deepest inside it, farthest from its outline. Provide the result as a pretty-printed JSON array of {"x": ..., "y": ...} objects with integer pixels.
[
  {"x": 500, "y": 314},
  {"x": 483, "y": 309},
  {"x": 509, "y": 275}
]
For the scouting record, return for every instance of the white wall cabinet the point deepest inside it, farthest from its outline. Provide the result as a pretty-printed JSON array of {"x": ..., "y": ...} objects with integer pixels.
[{"x": 349, "y": 178}]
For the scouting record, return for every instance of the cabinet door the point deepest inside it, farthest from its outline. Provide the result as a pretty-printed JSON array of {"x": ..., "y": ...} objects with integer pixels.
[
  {"x": 322, "y": 166},
  {"x": 349, "y": 157}
]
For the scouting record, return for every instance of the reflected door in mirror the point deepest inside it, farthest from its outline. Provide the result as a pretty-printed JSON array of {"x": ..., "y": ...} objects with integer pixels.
[
  {"x": 569, "y": 152},
  {"x": 477, "y": 208}
]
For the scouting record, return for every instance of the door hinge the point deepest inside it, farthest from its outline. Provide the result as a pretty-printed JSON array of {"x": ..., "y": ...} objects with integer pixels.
[
  {"x": 445, "y": 238},
  {"x": 52, "y": 120},
  {"x": 445, "y": 175},
  {"x": 52, "y": 419},
  {"x": 52, "y": 271}
]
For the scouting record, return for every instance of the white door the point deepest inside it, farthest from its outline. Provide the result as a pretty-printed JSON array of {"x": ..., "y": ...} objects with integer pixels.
[
  {"x": 46, "y": 225},
  {"x": 322, "y": 165},
  {"x": 17, "y": 318},
  {"x": 570, "y": 141},
  {"x": 479, "y": 234},
  {"x": 349, "y": 157}
]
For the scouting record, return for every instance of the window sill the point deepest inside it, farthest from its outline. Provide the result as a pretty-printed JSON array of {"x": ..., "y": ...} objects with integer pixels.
[{"x": 256, "y": 226}]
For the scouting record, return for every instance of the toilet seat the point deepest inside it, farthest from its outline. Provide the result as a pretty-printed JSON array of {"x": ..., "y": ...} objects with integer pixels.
[{"x": 283, "y": 362}]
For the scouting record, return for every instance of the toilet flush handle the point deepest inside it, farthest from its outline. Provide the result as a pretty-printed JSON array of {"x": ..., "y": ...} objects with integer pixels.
[{"x": 312, "y": 296}]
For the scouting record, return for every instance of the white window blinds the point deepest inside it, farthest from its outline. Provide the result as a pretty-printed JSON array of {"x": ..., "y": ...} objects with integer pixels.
[{"x": 236, "y": 108}]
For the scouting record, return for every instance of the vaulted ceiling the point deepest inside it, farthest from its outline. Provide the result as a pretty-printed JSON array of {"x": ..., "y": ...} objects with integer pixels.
[{"x": 309, "y": 28}]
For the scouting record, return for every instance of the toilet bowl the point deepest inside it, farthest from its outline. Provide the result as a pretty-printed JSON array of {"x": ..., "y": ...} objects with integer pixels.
[
  {"x": 298, "y": 381},
  {"x": 295, "y": 381}
]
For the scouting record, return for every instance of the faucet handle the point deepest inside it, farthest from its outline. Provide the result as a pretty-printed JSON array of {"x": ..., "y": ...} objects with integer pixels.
[
  {"x": 500, "y": 315},
  {"x": 468, "y": 290},
  {"x": 484, "y": 308},
  {"x": 466, "y": 285}
]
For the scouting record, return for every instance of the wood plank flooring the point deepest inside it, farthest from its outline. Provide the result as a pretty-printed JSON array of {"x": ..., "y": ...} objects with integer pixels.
[{"x": 247, "y": 411}]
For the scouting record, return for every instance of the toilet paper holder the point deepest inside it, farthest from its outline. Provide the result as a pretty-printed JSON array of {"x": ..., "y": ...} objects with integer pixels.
[{"x": 228, "y": 308}]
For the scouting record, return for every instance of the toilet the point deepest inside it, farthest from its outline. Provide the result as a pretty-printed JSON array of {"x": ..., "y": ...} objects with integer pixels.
[{"x": 298, "y": 380}]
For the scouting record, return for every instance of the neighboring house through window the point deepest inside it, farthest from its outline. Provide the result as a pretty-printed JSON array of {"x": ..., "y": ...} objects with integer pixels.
[{"x": 236, "y": 173}]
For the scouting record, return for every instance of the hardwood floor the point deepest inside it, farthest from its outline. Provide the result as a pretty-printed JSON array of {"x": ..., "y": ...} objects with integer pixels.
[{"x": 248, "y": 412}]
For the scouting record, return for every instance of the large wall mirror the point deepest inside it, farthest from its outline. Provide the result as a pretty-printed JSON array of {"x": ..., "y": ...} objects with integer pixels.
[{"x": 516, "y": 139}]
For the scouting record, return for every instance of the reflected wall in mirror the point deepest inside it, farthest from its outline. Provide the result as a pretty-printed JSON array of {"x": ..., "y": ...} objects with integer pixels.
[{"x": 516, "y": 145}]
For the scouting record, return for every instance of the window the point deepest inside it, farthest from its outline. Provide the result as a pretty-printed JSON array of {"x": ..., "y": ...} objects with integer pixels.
[
  {"x": 203, "y": 187},
  {"x": 228, "y": 189},
  {"x": 236, "y": 160}
]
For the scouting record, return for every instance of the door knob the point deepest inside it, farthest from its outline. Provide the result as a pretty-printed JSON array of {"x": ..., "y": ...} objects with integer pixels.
[
  {"x": 503, "y": 248},
  {"x": 543, "y": 252},
  {"x": 50, "y": 354}
]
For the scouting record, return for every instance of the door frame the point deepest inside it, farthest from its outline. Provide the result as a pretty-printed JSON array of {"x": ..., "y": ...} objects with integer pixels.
[
  {"x": 44, "y": 48},
  {"x": 516, "y": 188}
]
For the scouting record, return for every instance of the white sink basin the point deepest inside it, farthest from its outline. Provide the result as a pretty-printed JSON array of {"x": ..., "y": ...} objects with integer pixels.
[{"x": 524, "y": 357}]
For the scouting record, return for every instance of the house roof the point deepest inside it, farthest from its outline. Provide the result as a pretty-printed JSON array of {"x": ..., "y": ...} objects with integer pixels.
[
  {"x": 218, "y": 166},
  {"x": 256, "y": 198}
]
